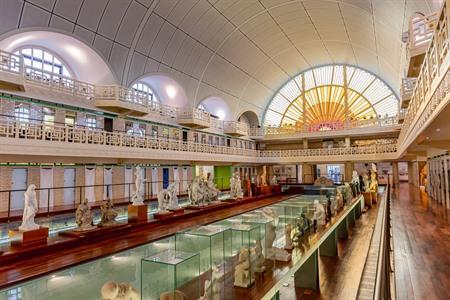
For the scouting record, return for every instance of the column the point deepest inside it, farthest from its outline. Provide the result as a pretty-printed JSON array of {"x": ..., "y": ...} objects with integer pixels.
[
  {"x": 396, "y": 179},
  {"x": 307, "y": 173},
  {"x": 447, "y": 200},
  {"x": 349, "y": 167},
  {"x": 329, "y": 246}
]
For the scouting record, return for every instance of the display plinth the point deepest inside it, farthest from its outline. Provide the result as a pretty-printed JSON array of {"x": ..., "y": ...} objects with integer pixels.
[
  {"x": 264, "y": 190},
  {"x": 178, "y": 211},
  {"x": 92, "y": 232},
  {"x": 30, "y": 237},
  {"x": 275, "y": 188},
  {"x": 163, "y": 215},
  {"x": 199, "y": 207},
  {"x": 137, "y": 213},
  {"x": 367, "y": 199}
]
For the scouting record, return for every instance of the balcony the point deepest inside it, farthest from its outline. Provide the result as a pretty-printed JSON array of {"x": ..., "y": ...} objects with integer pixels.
[
  {"x": 10, "y": 79},
  {"x": 121, "y": 100},
  {"x": 406, "y": 91},
  {"x": 235, "y": 128},
  {"x": 194, "y": 118},
  {"x": 420, "y": 34},
  {"x": 256, "y": 133}
]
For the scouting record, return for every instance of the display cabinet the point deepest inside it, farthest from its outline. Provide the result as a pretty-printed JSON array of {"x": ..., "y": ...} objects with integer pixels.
[
  {"x": 170, "y": 275},
  {"x": 213, "y": 243}
]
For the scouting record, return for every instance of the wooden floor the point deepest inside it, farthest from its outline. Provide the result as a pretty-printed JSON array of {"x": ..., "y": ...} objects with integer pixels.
[
  {"x": 421, "y": 245},
  {"x": 339, "y": 276}
]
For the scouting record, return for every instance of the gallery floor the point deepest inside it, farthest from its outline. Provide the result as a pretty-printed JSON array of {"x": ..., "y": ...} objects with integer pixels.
[
  {"x": 339, "y": 276},
  {"x": 421, "y": 245}
]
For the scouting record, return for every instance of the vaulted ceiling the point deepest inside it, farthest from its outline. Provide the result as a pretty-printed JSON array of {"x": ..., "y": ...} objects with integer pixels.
[{"x": 240, "y": 50}]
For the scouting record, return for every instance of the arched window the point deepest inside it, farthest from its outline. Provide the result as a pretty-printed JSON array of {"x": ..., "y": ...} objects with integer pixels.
[
  {"x": 201, "y": 106},
  {"x": 43, "y": 60},
  {"x": 146, "y": 91}
]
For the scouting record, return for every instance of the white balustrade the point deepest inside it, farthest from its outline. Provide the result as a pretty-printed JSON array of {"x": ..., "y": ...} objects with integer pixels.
[{"x": 10, "y": 62}]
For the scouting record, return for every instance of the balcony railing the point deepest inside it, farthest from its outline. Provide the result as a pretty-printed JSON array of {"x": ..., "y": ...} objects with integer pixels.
[
  {"x": 407, "y": 88},
  {"x": 15, "y": 129},
  {"x": 10, "y": 62},
  {"x": 420, "y": 32},
  {"x": 374, "y": 123},
  {"x": 433, "y": 82},
  {"x": 235, "y": 128}
]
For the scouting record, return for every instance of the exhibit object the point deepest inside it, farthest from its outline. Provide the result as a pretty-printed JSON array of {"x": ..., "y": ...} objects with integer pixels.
[
  {"x": 236, "y": 187},
  {"x": 273, "y": 252},
  {"x": 137, "y": 198},
  {"x": 289, "y": 245},
  {"x": 274, "y": 180},
  {"x": 108, "y": 213},
  {"x": 212, "y": 192},
  {"x": 169, "y": 273},
  {"x": 243, "y": 272},
  {"x": 323, "y": 181},
  {"x": 119, "y": 291},
  {"x": 167, "y": 198},
  {"x": 84, "y": 217},
  {"x": 258, "y": 261},
  {"x": 213, "y": 288},
  {"x": 30, "y": 209}
]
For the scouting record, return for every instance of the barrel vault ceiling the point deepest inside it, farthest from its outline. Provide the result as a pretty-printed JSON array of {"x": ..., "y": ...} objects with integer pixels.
[{"x": 241, "y": 50}]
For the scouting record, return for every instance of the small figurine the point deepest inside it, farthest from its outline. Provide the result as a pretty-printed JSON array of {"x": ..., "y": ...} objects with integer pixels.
[
  {"x": 167, "y": 199},
  {"x": 108, "y": 213},
  {"x": 175, "y": 295},
  {"x": 212, "y": 288},
  {"x": 319, "y": 215},
  {"x": 29, "y": 210},
  {"x": 242, "y": 272},
  {"x": 366, "y": 183},
  {"x": 373, "y": 186},
  {"x": 119, "y": 291},
  {"x": 259, "y": 262},
  {"x": 84, "y": 217},
  {"x": 274, "y": 180},
  {"x": 212, "y": 191},
  {"x": 235, "y": 187}
]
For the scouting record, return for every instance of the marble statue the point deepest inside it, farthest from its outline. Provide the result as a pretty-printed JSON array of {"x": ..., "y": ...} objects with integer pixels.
[
  {"x": 196, "y": 192},
  {"x": 259, "y": 261},
  {"x": 212, "y": 191},
  {"x": 323, "y": 181},
  {"x": 319, "y": 213},
  {"x": 355, "y": 182},
  {"x": 167, "y": 198},
  {"x": 289, "y": 245},
  {"x": 108, "y": 213},
  {"x": 263, "y": 181},
  {"x": 137, "y": 197},
  {"x": 242, "y": 272},
  {"x": 373, "y": 186},
  {"x": 112, "y": 290},
  {"x": 30, "y": 209},
  {"x": 274, "y": 180},
  {"x": 213, "y": 286},
  {"x": 84, "y": 217},
  {"x": 339, "y": 200},
  {"x": 273, "y": 252},
  {"x": 236, "y": 187},
  {"x": 347, "y": 193},
  {"x": 175, "y": 295}
]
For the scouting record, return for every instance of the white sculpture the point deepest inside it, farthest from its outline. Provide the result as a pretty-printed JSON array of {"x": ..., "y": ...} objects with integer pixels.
[
  {"x": 108, "y": 213},
  {"x": 319, "y": 213},
  {"x": 274, "y": 180},
  {"x": 29, "y": 210},
  {"x": 242, "y": 272},
  {"x": 366, "y": 183},
  {"x": 212, "y": 192},
  {"x": 355, "y": 177},
  {"x": 84, "y": 217},
  {"x": 175, "y": 295},
  {"x": 137, "y": 198},
  {"x": 167, "y": 199},
  {"x": 273, "y": 252},
  {"x": 259, "y": 261},
  {"x": 212, "y": 288},
  {"x": 196, "y": 191},
  {"x": 112, "y": 290},
  {"x": 236, "y": 187}
]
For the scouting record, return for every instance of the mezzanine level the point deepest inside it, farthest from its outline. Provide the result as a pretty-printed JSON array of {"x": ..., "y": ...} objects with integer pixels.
[{"x": 38, "y": 141}]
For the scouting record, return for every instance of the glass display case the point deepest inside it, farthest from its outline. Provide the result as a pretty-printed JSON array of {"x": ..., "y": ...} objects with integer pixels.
[
  {"x": 88, "y": 281},
  {"x": 170, "y": 275},
  {"x": 213, "y": 243}
]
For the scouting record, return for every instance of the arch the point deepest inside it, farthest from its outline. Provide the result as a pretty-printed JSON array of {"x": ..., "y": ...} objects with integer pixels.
[
  {"x": 167, "y": 90},
  {"x": 317, "y": 96},
  {"x": 249, "y": 117},
  {"x": 85, "y": 62},
  {"x": 217, "y": 106}
]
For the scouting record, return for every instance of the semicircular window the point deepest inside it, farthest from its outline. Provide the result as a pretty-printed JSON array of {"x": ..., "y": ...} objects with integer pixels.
[
  {"x": 326, "y": 97},
  {"x": 43, "y": 61}
]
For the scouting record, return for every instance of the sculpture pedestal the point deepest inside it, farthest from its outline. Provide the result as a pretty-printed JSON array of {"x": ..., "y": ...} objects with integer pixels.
[
  {"x": 276, "y": 188},
  {"x": 137, "y": 213},
  {"x": 367, "y": 199},
  {"x": 177, "y": 212},
  {"x": 30, "y": 237},
  {"x": 163, "y": 215}
]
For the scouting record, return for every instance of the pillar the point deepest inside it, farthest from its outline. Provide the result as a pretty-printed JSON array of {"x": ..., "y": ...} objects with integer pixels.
[
  {"x": 305, "y": 144},
  {"x": 396, "y": 178},
  {"x": 348, "y": 170},
  {"x": 307, "y": 173},
  {"x": 347, "y": 142},
  {"x": 329, "y": 246}
]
